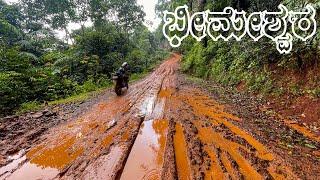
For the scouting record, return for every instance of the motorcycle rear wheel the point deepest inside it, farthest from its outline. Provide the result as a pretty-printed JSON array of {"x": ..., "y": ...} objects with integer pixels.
[{"x": 118, "y": 91}]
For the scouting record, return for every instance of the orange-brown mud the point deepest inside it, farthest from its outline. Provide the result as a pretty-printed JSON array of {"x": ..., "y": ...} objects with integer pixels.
[{"x": 165, "y": 127}]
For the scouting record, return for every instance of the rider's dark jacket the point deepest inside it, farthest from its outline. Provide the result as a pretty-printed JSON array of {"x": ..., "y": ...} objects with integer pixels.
[{"x": 124, "y": 71}]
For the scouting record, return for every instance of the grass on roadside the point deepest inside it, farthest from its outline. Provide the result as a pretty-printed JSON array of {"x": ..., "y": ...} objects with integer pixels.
[
  {"x": 29, "y": 106},
  {"x": 137, "y": 76},
  {"x": 78, "y": 97}
]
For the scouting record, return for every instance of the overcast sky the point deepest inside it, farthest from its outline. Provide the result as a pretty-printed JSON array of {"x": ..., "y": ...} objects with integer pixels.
[{"x": 151, "y": 21}]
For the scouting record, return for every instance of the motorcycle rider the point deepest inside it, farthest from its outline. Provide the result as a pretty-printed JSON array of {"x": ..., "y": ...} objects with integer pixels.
[{"x": 124, "y": 70}]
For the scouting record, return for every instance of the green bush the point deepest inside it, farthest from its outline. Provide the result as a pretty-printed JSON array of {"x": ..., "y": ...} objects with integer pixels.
[{"x": 227, "y": 63}]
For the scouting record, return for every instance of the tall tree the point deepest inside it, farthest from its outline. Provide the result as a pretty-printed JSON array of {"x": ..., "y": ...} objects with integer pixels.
[
  {"x": 57, "y": 13},
  {"x": 129, "y": 14}
]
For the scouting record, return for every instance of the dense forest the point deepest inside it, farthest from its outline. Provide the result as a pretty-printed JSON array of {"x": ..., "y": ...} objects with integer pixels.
[
  {"x": 255, "y": 66},
  {"x": 36, "y": 66}
]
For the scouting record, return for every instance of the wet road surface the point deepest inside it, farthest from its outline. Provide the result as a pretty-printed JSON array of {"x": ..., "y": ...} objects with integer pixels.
[{"x": 159, "y": 129}]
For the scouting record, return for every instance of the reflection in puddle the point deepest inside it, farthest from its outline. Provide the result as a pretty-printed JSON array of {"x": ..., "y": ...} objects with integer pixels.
[
  {"x": 158, "y": 109},
  {"x": 45, "y": 162},
  {"x": 5, "y": 170},
  {"x": 32, "y": 171},
  {"x": 147, "y": 106},
  {"x": 103, "y": 167},
  {"x": 146, "y": 157},
  {"x": 18, "y": 155},
  {"x": 57, "y": 152}
]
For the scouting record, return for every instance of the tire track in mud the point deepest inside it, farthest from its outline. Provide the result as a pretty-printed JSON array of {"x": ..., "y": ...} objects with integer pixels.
[
  {"x": 159, "y": 129},
  {"x": 217, "y": 148},
  {"x": 86, "y": 147},
  {"x": 180, "y": 148},
  {"x": 146, "y": 159}
]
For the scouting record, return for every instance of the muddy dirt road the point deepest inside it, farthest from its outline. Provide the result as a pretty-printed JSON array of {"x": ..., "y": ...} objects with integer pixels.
[{"x": 164, "y": 127}]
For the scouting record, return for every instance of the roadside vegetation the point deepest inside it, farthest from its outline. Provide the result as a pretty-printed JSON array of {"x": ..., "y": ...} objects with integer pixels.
[
  {"x": 37, "y": 67},
  {"x": 86, "y": 91},
  {"x": 253, "y": 66}
]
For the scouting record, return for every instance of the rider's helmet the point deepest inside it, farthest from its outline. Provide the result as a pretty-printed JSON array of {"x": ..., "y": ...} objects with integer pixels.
[{"x": 124, "y": 64}]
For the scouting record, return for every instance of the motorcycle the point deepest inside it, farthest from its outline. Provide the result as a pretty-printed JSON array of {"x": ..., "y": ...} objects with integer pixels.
[{"x": 119, "y": 83}]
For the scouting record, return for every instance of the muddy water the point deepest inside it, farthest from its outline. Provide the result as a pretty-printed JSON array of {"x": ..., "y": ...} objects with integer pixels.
[
  {"x": 109, "y": 139},
  {"x": 17, "y": 159},
  {"x": 48, "y": 162},
  {"x": 228, "y": 147},
  {"x": 58, "y": 156},
  {"x": 215, "y": 171},
  {"x": 180, "y": 148},
  {"x": 233, "y": 152},
  {"x": 68, "y": 142},
  {"x": 146, "y": 157},
  {"x": 301, "y": 129},
  {"x": 102, "y": 126},
  {"x": 33, "y": 171},
  {"x": 148, "y": 105},
  {"x": 28, "y": 171}
]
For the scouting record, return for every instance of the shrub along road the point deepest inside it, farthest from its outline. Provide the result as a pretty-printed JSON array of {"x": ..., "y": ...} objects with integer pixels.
[{"x": 164, "y": 127}]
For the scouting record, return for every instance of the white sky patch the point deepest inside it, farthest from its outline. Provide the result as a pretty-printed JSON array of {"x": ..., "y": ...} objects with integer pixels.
[
  {"x": 71, "y": 26},
  {"x": 151, "y": 19},
  {"x": 11, "y": 1}
]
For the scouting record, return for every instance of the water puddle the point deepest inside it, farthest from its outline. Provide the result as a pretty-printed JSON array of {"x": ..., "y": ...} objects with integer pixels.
[
  {"x": 208, "y": 136},
  {"x": 226, "y": 144},
  {"x": 45, "y": 162},
  {"x": 215, "y": 171},
  {"x": 203, "y": 106},
  {"x": 104, "y": 166},
  {"x": 18, "y": 155},
  {"x": 147, "y": 105},
  {"x": 180, "y": 148},
  {"x": 227, "y": 164},
  {"x": 16, "y": 161},
  {"x": 33, "y": 171},
  {"x": 158, "y": 109},
  {"x": 58, "y": 156},
  {"x": 147, "y": 155},
  {"x": 166, "y": 93}
]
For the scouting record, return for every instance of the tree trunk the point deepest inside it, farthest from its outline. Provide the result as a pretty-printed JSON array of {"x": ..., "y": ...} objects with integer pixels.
[
  {"x": 68, "y": 36},
  {"x": 201, "y": 5}
]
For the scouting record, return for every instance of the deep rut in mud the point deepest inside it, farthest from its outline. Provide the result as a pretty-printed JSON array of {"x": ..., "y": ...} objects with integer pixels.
[{"x": 159, "y": 129}]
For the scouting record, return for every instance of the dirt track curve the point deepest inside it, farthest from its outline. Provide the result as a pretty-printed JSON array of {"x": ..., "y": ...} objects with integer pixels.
[{"x": 160, "y": 129}]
